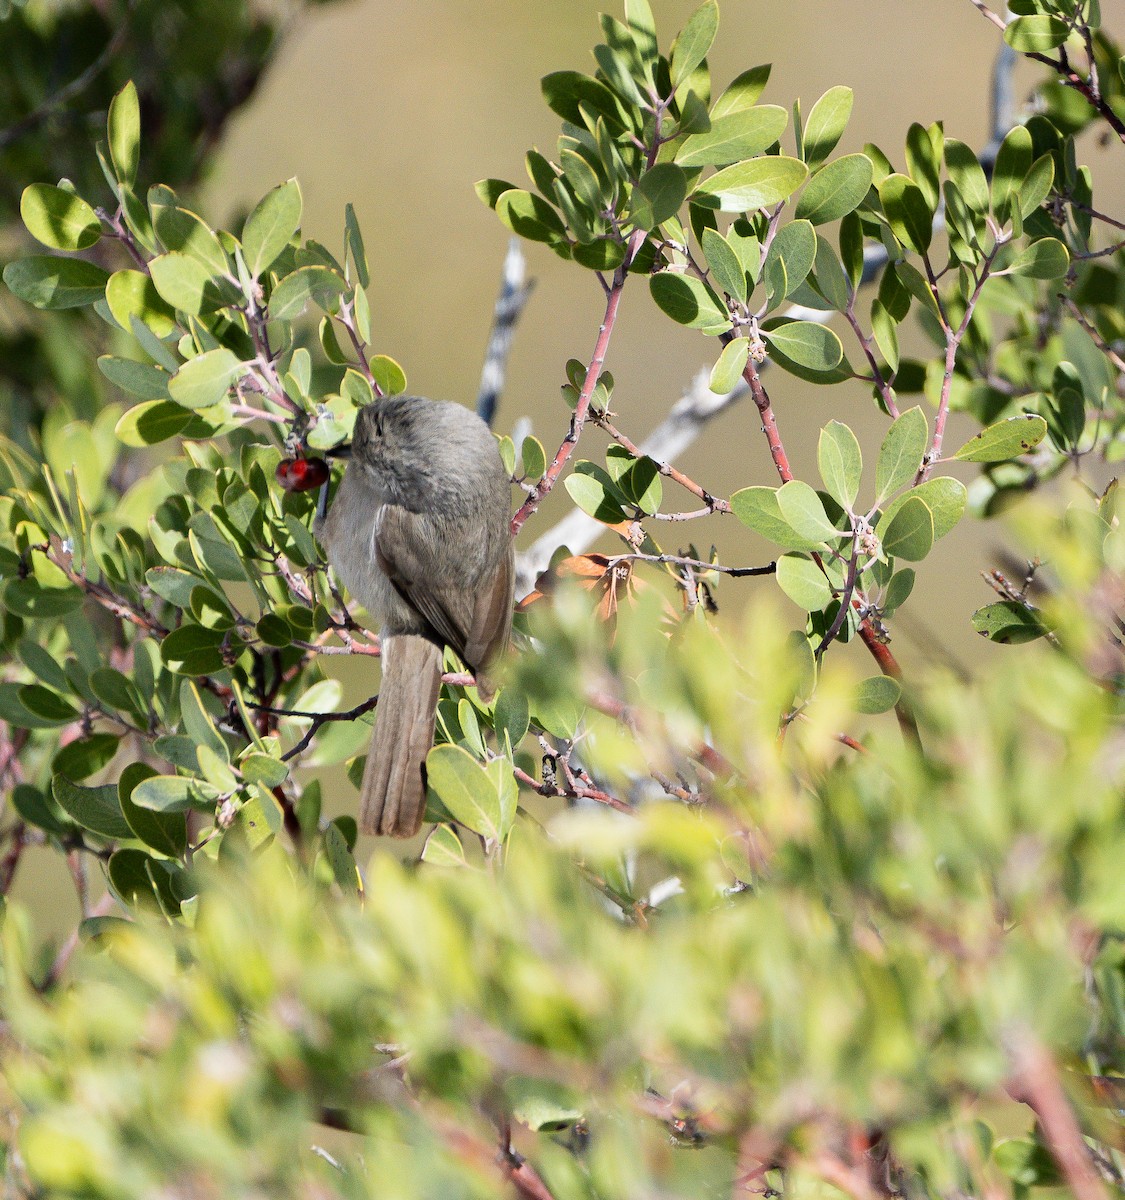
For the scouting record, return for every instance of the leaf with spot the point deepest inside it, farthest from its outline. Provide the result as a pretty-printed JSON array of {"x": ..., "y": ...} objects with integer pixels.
[{"x": 1004, "y": 440}]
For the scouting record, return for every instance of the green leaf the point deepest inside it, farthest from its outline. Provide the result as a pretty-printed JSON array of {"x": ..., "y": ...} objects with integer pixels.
[
  {"x": 742, "y": 92},
  {"x": 95, "y": 808},
  {"x": 746, "y": 186},
  {"x": 340, "y": 860},
  {"x": 909, "y": 533},
  {"x": 923, "y": 160},
  {"x": 150, "y": 423},
  {"x": 124, "y": 130},
  {"x": 851, "y": 248},
  {"x": 732, "y": 138},
  {"x": 803, "y": 511},
  {"x": 163, "y": 832},
  {"x": 490, "y": 190},
  {"x": 725, "y": 265},
  {"x": 1004, "y": 440},
  {"x": 193, "y": 650},
  {"x": 47, "y": 705},
  {"x": 181, "y": 231},
  {"x": 39, "y": 810},
  {"x": 132, "y": 294},
  {"x": 115, "y": 690},
  {"x": 390, "y": 377},
  {"x": 694, "y": 41},
  {"x": 901, "y": 584},
  {"x": 837, "y": 189},
  {"x": 1047, "y": 258},
  {"x": 1013, "y": 161},
  {"x": 567, "y": 92},
  {"x": 466, "y": 790},
  {"x": 353, "y": 239},
  {"x": 533, "y": 457},
  {"x": 689, "y": 301},
  {"x": 900, "y": 455},
  {"x": 758, "y": 509},
  {"x": 186, "y": 284},
  {"x": 511, "y": 718},
  {"x": 58, "y": 218},
  {"x": 205, "y": 379},
  {"x": 1008, "y": 622},
  {"x": 198, "y": 724},
  {"x": 529, "y": 216},
  {"x": 910, "y": 217},
  {"x": 807, "y": 344},
  {"x": 826, "y": 123},
  {"x": 141, "y": 379},
  {"x": 47, "y": 282},
  {"x": 726, "y": 373},
  {"x": 271, "y": 226},
  {"x": 879, "y": 694},
  {"x": 443, "y": 848},
  {"x": 944, "y": 496},
  {"x": 1035, "y": 34},
  {"x": 637, "y": 479},
  {"x": 85, "y": 756},
  {"x": 261, "y": 768},
  {"x": 885, "y": 331},
  {"x": 595, "y": 493},
  {"x": 291, "y": 297},
  {"x": 841, "y": 463},
  {"x": 967, "y": 173},
  {"x": 27, "y": 598},
  {"x": 657, "y": 195},
  {"x": 794, "y": 248},
  {"x": 166, "y": 794},
  {"x": 1037, "y": 184},
  {"x": 803, "y": 582}
]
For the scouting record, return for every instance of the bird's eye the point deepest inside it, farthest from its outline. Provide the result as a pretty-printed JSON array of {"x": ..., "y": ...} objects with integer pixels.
[{"x": 378, "y": 422}]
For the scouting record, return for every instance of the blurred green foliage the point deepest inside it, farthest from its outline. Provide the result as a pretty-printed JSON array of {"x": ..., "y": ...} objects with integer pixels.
[{"x": 670, "y": 902}]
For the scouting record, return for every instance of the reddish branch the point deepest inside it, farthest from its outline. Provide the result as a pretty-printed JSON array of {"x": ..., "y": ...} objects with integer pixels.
[
  {"x": 769, "y": 421},
  {"x": 1036, "y": 1082},
  {"x": 581, "y": 410}
]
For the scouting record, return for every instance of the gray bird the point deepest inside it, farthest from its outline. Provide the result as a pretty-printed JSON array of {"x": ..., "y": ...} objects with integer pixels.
[{"x": 418, "y": 532}]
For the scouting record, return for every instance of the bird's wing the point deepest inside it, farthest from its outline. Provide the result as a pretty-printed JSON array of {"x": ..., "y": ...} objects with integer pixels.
[{"x": 470, "y": 620}]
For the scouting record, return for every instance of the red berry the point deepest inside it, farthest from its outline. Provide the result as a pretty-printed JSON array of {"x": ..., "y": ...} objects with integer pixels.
[{"x": 302, "y": 474}]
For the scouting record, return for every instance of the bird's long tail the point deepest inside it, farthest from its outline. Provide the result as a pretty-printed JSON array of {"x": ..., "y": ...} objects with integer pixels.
[{"x": 393, "y": 794}]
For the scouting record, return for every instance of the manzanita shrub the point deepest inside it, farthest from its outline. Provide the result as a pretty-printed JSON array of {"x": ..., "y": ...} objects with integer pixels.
[{"x": 683, "y": 926}]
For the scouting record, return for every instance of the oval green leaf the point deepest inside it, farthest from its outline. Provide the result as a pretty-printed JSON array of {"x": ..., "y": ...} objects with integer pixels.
[
  {"x": 807, "y": 344},
  {"x": 747, "y": 186},
  {"x": 58, "y": 218},
  {"x": 837, "y": 189}
]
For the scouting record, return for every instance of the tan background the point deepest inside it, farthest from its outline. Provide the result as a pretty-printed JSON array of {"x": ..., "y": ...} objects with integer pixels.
[{"x": 400, "y": 107}]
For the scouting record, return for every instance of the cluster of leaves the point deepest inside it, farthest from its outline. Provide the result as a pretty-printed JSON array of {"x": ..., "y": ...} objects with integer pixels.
[
  {"x": 193, "y": 64},
  {"x": 779, "y": 957},
  {"x": 799, "y": 988}
]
